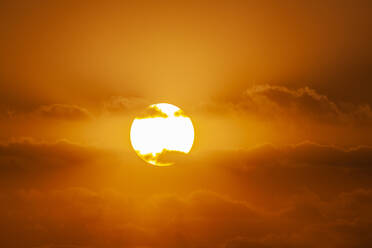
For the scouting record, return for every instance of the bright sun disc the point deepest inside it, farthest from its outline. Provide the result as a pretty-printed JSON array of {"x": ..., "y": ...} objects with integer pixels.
[{"x": 161, "y": 134}]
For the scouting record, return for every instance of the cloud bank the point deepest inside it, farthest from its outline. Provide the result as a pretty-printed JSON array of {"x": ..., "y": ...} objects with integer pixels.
[{"x": 305, "y": 195}]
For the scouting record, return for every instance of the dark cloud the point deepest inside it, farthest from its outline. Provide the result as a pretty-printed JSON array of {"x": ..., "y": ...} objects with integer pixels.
[
  {"x": 322, "y": 168},
  {"x": 280, "y": 102},
  {"x": 152, "y": 112},
  {"x": 59, "y": 112},
  {"x": 27, "y": 158},
  {"x": 62, "y": 150},
  {"x": 326, "y": 170},
  {"x": 303, "y": 100},
  {"x": 120, "y": 104},
  {"x": 300, "y": 155},
  {"x": 193, "y": 204},
  {"x": 84, "y": 218},
  {"x": 63, "y": 112},
  {"x": 165, "y": 157},
  {"x": 200, "y": 219}
]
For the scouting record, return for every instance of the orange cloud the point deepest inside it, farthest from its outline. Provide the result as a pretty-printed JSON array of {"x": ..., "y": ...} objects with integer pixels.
[
  {"x": 272, "y": 102},
  {"x": 120, "y": 104},
  {"x": 26, "y": 161},
  {"x": 205, "y": 201},
  {"x": 63, "y": 112},
  {"x": 85, "y": 218}
]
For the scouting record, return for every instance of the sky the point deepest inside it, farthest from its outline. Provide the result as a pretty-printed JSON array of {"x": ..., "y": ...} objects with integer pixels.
[{"x": 279, "y": 93}]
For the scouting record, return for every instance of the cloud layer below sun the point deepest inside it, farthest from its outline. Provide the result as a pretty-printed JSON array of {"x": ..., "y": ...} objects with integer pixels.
[{"x": 304, "y": 195}]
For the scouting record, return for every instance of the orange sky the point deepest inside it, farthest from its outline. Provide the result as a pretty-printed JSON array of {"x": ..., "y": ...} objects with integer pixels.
[{"x": 279, "y": 94}]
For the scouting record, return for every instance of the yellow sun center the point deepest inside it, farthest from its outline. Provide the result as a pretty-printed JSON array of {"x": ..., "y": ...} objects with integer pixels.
[{"x": 162, "y": 133}]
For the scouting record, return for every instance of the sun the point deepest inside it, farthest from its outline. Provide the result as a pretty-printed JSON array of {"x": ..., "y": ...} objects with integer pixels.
[{"x": 162, "y": 134}]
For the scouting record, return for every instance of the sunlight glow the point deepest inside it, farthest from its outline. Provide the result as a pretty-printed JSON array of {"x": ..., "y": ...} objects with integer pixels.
[{"x": 170, "y": 130}]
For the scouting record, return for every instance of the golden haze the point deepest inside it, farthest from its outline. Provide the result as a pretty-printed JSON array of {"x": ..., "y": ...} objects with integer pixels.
[{"x": 279, "y": 93}]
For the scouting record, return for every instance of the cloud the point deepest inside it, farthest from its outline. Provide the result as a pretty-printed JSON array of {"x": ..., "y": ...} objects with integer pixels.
[
  {"x": 152, "y": 112},
  {"x": 303, "y": 100},
  {"x": 302, "y": 155},
  {"x": 28, "y": 157},
  {"x": 165, "y": 157},
  {"x": 210, "y": 200},
  {"x": 69, "y": 217},
  {"x": 322, "y": 168},
  {"x": 63, "y": 112},
  {"x": 101, "y": 218},
  {"x": 290, "y": 168},
  {"x": 120, "y": 104},
  {"x": 59, "y": 112},
  {"x": 84, "y": 218},
  {"x": 277, "y": 102},
  {"x": 312, "y": 222}
]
